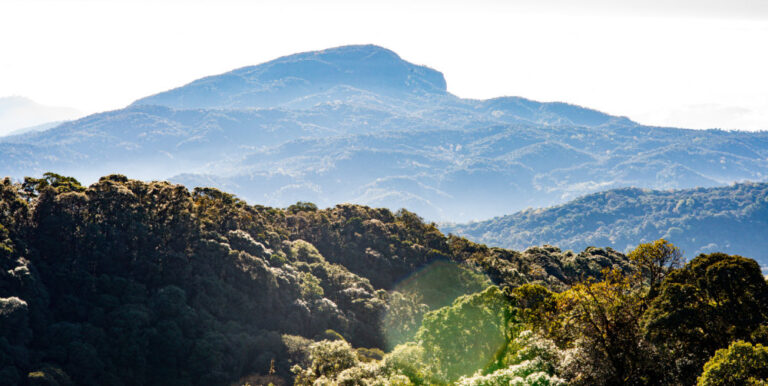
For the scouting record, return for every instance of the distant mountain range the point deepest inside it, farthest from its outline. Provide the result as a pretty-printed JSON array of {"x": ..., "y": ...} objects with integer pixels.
[
  {"x": 731, "y": 219},
  {"x": 19, "y": 115},
  {"x": 359, "y": 124}
]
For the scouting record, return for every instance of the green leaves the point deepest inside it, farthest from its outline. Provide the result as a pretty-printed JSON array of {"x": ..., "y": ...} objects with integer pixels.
[
  {"x": 468, "y": 335},
  {"x": 740, "y": 364},
  {"x": 656, "y": 259},
  {"x": 713, "y": 300},
  {"x": 59, "y": 183}
]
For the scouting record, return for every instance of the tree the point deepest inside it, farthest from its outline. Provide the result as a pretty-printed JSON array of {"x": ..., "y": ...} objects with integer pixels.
[
  {"x": 467, "y": 336},
  {"x": 740, "y": 364},
  {"x": 302, "y": 206},
  {"x": 599, "y": 322},
  {"x": 327, "y": 359},
  {"x": 713, "y": 300},
  {"x": 33, "y": 186},
  {"x": 656, "y": 259}
]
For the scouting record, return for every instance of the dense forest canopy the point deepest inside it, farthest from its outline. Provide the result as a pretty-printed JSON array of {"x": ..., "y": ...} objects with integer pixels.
[{"x": 131, "y": 282}]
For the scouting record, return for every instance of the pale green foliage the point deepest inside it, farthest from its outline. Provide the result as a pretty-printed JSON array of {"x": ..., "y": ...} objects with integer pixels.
[
  {"x": 528, "y": 346},
  {"x": 740, "y": 364},
  {"x": 408, "y": 359},
  {"x": 327, "y": 360},
  {"x": 304, "y": 251},
  {"x": 530, "y": 360},
  {"x": 310, "y": 286},
  {"x": 656, "y": 258},
  {"x": 527, "y": 373},
  {"x": 467, "y": 336},
  {"x": 337, "y": 363}
]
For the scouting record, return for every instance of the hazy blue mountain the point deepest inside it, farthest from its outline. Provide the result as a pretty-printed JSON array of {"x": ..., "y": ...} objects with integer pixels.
[
  {"x": 40, "y": 127},
  {"x": 22, "y": 114},
  {"x": 299, "y": 76},
  {"x": 731, "y": 219},
  {"x": 360, "y": 124}
]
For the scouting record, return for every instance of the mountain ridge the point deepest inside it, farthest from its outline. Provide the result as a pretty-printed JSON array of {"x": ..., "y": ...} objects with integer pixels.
[
  {"x": 347, "y": 138},
  {"x": 699, "y": 220},
  {"x": 367, "y": 67}
]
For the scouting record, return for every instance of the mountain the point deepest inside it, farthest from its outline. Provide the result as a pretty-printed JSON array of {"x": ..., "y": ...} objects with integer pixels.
[
  {"x": 359, "y": 124},
  {"x": 19, "y": 113},
  {"x": 297, "y": 79},
  {"x": 730, "y": 219},
  {"x": 40, "y": 127}
]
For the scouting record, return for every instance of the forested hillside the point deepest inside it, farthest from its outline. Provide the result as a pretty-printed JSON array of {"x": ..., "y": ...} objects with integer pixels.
[
  {"x": 128, "y": 282},
  {"x": 360, "y": 124},
  {"x": 730, "y": 219}
]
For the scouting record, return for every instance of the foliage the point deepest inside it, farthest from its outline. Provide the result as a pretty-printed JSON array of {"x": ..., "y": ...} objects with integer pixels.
[
  {"x": 61, "y": 184},
  {"x": 529, "y": 360},
  {"x": 527, "y": 373},
  {"x": 656, "y": 259},
  {"x": 302, "y": 206},
  {"x": 713, "y": 300},
  {"x": 327, "y": 359},
  {"x": 127, "y": 282},
  {"x": 471, "y": 334},
  {"x": 740, "y": 364},
  {"x": 600, "y": 322},
  {"x": 149, "y": 283}
]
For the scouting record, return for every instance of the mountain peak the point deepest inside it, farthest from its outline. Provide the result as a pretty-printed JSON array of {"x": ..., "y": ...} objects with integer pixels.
[{"x": 366, "y": 67}]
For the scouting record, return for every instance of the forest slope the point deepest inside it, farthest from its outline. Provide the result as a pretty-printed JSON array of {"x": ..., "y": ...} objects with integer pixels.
[
  {"x": 731, "y": 219},
  {"x": 133, "y": 283},
  {"x": 127, "y": 282}
]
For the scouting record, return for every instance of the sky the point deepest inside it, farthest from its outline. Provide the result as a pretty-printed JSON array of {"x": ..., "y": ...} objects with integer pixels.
[{"x": 691, "y": 63}]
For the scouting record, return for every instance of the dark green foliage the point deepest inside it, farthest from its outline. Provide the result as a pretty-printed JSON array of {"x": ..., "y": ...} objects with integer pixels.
[
  {"x": 713, "y": 300},
  {"x": 61, "y": 184},
  {"x": 135, "y": 283},
  {"x": 302, "y": 206},
  {"x": 127, "y": 282}
]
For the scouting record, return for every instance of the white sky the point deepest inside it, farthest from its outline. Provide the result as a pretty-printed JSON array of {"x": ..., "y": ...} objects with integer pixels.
[{"x": 691, "y": 63}]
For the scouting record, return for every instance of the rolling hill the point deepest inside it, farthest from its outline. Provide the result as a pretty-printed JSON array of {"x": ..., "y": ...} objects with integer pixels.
[{"x": 731, "y": 219}]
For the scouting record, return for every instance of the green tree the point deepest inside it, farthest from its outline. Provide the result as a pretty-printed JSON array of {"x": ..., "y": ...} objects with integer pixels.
[
  {"x": 328, "y": 358},
  {"x": 713, "y": 300},
  {"x": 600, "y": 323},
  {"x": 656, "y": 259},
  {"x": 302, "y": 206},
  {"x": 61, "y": 184},
  {"x": 740, "y": 364},
  {"x": 469, "y": 335}
]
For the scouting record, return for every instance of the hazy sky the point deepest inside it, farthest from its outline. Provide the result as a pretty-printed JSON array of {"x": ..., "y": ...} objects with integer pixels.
[{"x": 692, "y": 63}]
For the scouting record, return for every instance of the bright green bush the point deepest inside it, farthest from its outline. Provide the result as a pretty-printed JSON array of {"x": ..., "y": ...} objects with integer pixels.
[{"x": 742, "y": 363}]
